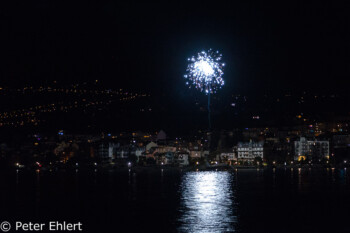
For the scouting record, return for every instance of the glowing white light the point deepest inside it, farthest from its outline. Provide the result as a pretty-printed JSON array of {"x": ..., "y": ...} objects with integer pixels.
[
  {"x": 205, "y": 71},
  {"x": 204, "y": 67}
]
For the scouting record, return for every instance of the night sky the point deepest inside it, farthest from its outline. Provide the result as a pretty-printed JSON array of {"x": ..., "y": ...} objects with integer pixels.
[{"x": 144, "y": 45}]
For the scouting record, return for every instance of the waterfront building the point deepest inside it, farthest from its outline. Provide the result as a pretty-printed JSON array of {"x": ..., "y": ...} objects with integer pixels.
[
  {"x": 248, "y": 151},
  {"x": 164, "y": 149},
  {"x": 169, "y": 158},
  {"x": 196, "y": 154},
  {"x": 229, "y": 157},
  {"x": 105, "y": 151},
  {"x": 183, "y": 159},
  {"x": 311, "y": 149},
  {"x": 138, "y": 151},
  {"x": 150, "y": 145}
]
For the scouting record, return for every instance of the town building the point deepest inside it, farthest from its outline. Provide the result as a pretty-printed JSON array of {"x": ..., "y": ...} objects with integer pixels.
[
  {"x": 248, "y": 151},
  {"x": 183, "y": 159},
  {"x": 196, "y": 154},
  {"x": 105, "y": 151},
  {"x": 228, "y": 158},
  {"x": 311, "y": 149}
]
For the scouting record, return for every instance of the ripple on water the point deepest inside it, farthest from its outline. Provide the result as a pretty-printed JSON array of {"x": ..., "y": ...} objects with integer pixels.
[{"x": 207, "y": 202}]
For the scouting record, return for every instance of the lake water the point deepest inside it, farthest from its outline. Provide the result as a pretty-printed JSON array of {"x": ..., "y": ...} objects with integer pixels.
[{"x": 246, "y": 201}]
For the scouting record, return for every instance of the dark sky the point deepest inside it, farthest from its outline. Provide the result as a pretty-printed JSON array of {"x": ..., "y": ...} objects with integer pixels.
[{"x": 282, "y": 45}]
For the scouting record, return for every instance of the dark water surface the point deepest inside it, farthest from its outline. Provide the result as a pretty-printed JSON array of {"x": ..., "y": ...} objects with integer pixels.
[{"x": 282, "y": 200}]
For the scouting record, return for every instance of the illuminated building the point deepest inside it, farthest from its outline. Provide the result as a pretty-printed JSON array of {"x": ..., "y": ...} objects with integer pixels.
[
  {"x": 250, "y": 150},
  {"x": 183, "y": 159},
  {"x": 229, "y": 157},
  {"x": 311, "y": 149},
  {"x": 105, "y": 152}
]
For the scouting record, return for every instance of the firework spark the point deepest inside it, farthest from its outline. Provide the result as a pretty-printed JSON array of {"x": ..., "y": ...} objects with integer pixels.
[{"x": 205, "y": 71}]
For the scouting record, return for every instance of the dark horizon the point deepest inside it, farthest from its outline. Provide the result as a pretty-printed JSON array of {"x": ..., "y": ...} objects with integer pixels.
[
  {"x": 270, "y": 46},
  {"x": 270, "y": 50}
]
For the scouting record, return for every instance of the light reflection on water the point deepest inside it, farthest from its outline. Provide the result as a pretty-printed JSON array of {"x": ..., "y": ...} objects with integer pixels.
[
  {"x": 177, "y": 201},
  {"x": 207, "y": 202}
]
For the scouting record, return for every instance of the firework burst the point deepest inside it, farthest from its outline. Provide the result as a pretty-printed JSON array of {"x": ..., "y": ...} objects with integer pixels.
[{"x": 205, "y": 71}]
